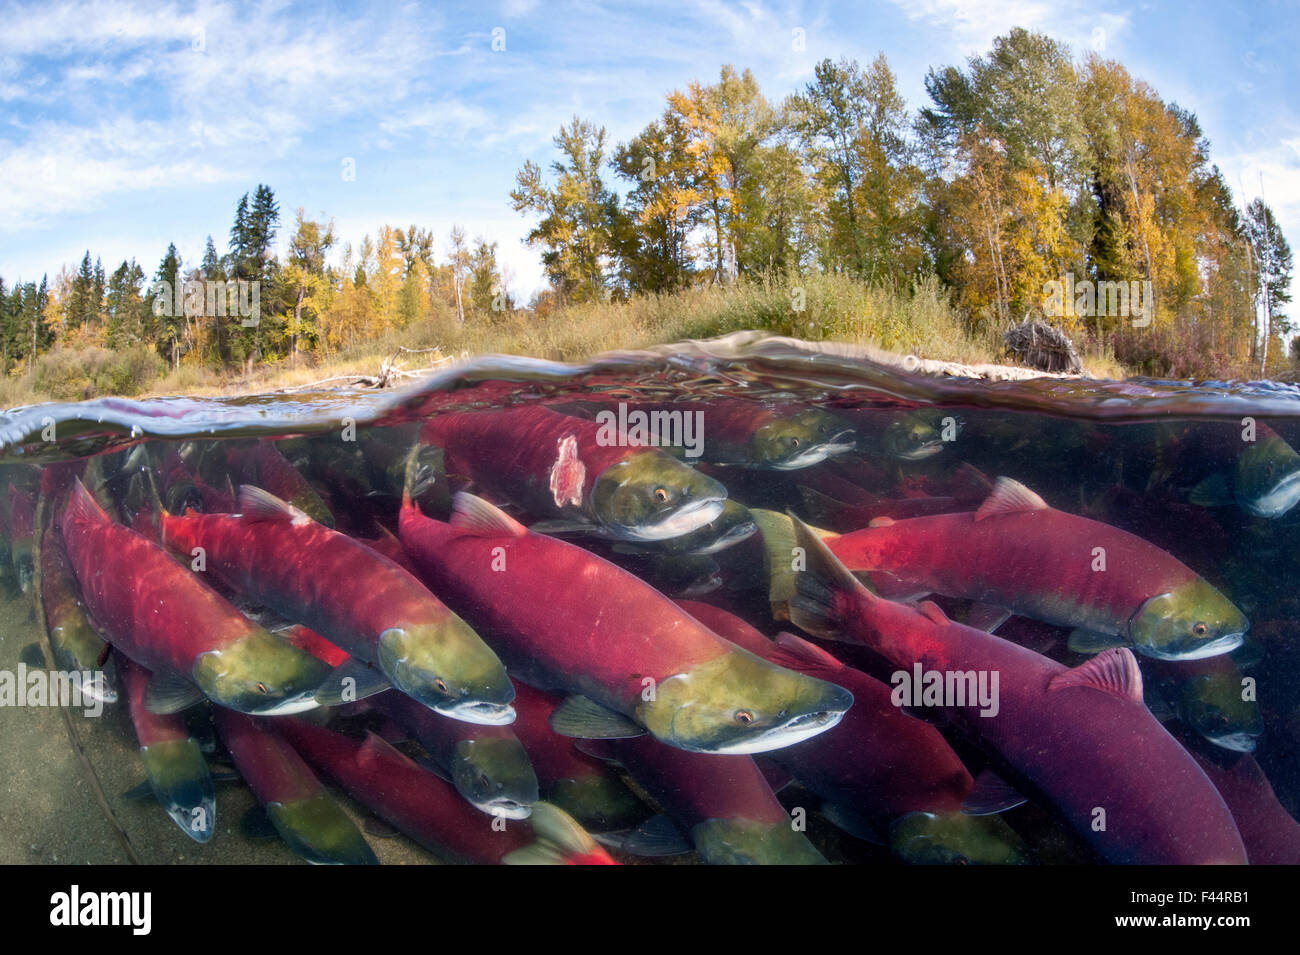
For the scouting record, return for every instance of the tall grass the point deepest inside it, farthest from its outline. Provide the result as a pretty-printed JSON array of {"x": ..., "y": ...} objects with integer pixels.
[{"x": 919, "y": 320}]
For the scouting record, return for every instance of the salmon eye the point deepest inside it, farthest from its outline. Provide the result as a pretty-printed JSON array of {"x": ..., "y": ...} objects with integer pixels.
[
  {"x": 795, "y": 442},
  {"x": 661, "y": 494},
  {"x": 261, "y": 688},
  {"x": 1200, "y": 629},
  {"x": 744, "y": 717},
  {"x": 440, "y": 685}
]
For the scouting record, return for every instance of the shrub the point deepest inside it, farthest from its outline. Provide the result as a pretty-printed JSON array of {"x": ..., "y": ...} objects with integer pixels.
[{"x": 75, "y": 375}]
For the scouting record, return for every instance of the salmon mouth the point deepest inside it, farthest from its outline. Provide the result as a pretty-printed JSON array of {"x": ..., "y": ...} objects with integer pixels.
[
  {"x": 1279, "y": 499},
  {"x": 681, "y": 520},
  {"x": 730, "y": 538},
  {"x": 288, "y": 705},
  {"x": 1212, "y": 648},
  {"x": 506, "y": 808},
  {"x": 478, "y": 711},
  {"x": 794, "y": 730},
  {"x": 1236, "y": 742},
  {"x": 842, "y": 443},
  {"x": 919, "y": 453}
]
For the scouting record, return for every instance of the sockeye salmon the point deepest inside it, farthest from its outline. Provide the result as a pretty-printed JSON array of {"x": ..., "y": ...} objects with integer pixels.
[
  {"x": 173, "y": 762},
  {"x": 635, "y": 661},
  {"x": 353, "y": 597},
  {"x": 431, "y": 812},
  {"x": 560, "y": 467},
  {"x": 1018, "y": 554},
  {"x": 300, "y": 808},
  {"x": 886, "y": 776},
  {"x": 1081, "y": 738},
  {"x": 164, "y": 617}
]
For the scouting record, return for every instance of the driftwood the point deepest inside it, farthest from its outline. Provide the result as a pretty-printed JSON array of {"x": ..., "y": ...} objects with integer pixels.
[
  {"x": 390, "y": 372},
  {"x": 1039, "y": 345}
]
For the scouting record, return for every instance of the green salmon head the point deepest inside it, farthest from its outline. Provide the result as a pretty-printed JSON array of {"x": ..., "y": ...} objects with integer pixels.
[
  {"x": 260, "y": 674},
  {"x": 320, "y": 831},
  {"x": 650, "y": 496},
  {"x": 911, "y": 438},
  {"x": 745, "y": 842},
  {"x": 448, "y": 668},
  {"x": 1267, "y": 479},
  {"x": 799, "y": 441},
  {"x": 954, "y": 838},
  {"x": 1190, "y": 622},
  {"x": 740, "y": 703},
  {"x": 1213, "y": 705},
  {"x": 179, "y": 778},
  {"x": 495, "y": 775}
]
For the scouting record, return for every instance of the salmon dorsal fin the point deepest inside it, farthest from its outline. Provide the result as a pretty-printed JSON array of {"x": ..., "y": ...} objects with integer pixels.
[
  {"x": 1115, "y": 671},
  {"x": 934, "y": 612},
  {"x": 476, "y": 516},
  {"x": 83, "y": 506},
  {"x": 258, "y": 506},
  {"x": 374, "y": 748},
  {"x": 881, "y": 522},
  {"x": 795, "y": 653},
  {"x": 1008, "y": 497}
]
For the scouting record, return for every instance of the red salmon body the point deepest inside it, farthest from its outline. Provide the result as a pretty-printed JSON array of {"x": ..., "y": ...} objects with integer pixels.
[{"x": 149, "y": 606}]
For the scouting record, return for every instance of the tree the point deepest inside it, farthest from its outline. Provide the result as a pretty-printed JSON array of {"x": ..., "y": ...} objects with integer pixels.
[
  {"x": 576, "y": 214},
  {"x": 171, "y": 321},
  {"x": 486, "y": 294},
  {"x": 853, "y": 125},
  {"x": 306, "y": 279},
  {"x": 1273, "y": 265},
  {"x": 459, "y": 267},
  {"x": 129, "y": 315},
  {"x": 652, "y": 233}
]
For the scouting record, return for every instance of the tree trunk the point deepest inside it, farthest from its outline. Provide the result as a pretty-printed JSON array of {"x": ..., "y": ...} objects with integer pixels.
[{"x": 297, "y": 313}]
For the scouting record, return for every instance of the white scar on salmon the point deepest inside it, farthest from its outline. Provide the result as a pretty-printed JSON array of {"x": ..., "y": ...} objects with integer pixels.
[{"x": 568, "y": 474}]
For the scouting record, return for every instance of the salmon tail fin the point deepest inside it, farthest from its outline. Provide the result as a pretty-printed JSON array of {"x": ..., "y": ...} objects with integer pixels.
[
  {"x": 820, "y": 584},
  {"x": 420, "y": 475},
  {"x": 560, "y": 841},
  {"x": 777, "y": 533}
]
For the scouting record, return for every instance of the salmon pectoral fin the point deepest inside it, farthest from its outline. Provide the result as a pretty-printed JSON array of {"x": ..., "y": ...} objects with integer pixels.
[
  {"x": 350, "y": 681},
  {"x": 987, "y": 617},
  {"x": 1091, "y": 641},
  {"x": 990, "y": 795},
  {"x": 167, "y": 694},
  {"x": 853, "y": 822},
  {"x": 583, "y": 718},
  {"x": 1214, "y": 491},
  {"x": 1113, "y": 671},
  {"x": 657, "y": 836}
]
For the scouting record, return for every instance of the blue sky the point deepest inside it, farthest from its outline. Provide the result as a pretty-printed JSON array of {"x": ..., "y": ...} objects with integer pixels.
[{"x": 124, "y": 126}]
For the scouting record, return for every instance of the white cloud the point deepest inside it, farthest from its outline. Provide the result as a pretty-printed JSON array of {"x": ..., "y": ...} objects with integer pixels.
[
  {"x": 182, "y": 98},
  {"x": 1276, "y": 171},
  {"x": 972, "y": 24}
]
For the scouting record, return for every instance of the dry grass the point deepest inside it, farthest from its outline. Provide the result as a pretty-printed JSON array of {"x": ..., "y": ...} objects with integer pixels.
[{"x": 919, "y": 321}]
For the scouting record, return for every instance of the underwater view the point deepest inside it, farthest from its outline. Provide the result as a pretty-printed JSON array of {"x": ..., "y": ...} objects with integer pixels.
[{"x": 749, "y": 600}]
